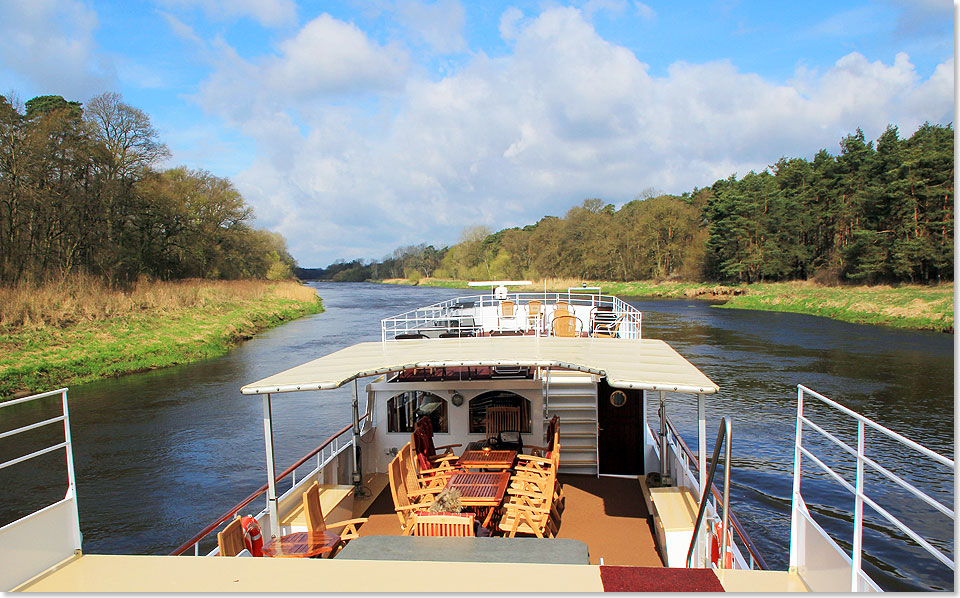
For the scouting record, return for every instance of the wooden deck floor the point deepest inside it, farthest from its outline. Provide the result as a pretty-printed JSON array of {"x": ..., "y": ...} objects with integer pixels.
[{"x": 608, "y": 514}]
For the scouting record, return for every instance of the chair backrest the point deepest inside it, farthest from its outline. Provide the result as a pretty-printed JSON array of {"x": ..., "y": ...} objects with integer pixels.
[
  {"x": 507, "y": 309},
  {"x": 423, "y": 437},
  {"x": 565, "y": 325},
  {"x": 398, "y": 489},
  {"x": 444, "y": 524},
  {"x": 562, "y": 305},
  {"x": 313, "y": 510},
  {"x": 500, "y": 419},
  {"x": 553, "y": 434},
  {"x": 409, "y": 461},
  {"x": 230, "y": 540}
]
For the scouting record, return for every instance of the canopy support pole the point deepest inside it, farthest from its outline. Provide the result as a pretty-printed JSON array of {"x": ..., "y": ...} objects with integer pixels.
[
  {"x": 702, "y": 464},
  {"x": 272, "y": 505},
  {"x": 663, "y": 437},
  {"x": 357, "y": 467}
]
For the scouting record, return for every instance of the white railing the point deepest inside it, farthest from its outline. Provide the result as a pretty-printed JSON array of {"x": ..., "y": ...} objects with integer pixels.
[
  {"x": 478, "y": 314},
  {"x": 802, "y": 525},
  {"x": 32, "y": 544},
  {"x": 683, "y": 460}
]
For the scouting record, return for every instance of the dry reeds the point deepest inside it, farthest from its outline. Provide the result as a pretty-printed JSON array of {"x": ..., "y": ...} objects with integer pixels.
[{"x": 83, "y": 298}]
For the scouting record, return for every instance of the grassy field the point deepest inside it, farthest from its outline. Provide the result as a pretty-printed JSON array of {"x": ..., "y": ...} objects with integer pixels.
[
  {"x": 903, "y": 306},
  {"x": 76, "y": 331}
]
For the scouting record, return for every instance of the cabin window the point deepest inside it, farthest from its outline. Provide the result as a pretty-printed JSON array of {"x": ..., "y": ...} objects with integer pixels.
[
  {"x": 498, "y": 398},
  {"x": 404, "y": 409}
]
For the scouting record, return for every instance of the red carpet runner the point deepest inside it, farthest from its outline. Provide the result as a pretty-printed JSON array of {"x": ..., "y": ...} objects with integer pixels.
[{"x": 658, "y": 579}]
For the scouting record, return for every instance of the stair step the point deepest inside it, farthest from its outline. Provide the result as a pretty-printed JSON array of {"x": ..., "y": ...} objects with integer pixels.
[
  {"x": 572, "y": 422},
  {"x": 577, "y": 434},
  {"x": 579, "y": 463},
  {"x": 570, "y": 407}
]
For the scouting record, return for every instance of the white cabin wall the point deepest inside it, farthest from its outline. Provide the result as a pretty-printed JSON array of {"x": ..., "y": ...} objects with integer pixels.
[{"x": 379, "y": 451}]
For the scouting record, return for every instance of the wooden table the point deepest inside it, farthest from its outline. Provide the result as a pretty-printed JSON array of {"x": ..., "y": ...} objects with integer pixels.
[
  {"x": 483, "y": 490},
  {"x": 481, "y": 459},
  {"x": 302, "y": 544}
]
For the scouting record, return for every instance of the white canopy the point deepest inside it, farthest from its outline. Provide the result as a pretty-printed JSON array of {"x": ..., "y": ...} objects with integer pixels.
[{"x": 646, "y": 364}]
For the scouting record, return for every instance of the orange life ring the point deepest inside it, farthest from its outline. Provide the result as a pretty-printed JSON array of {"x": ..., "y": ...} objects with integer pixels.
[
  {"x": 727, "y": 548},
  {"x": 252, "y": 538}
]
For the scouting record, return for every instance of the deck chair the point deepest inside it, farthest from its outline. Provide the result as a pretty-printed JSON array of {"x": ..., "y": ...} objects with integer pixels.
[
  {"x": 315, "y": 521},
  {"x": 443, "y": 524},
  {"x": 537, "y": 471},
  {"x": 508, "y": 313},
  {"x": 422, "y": 439},
  {"x": 566, "y": 325},
  {"x": 403, "y": 504},
  {"x": 419, "y": 477},
  {"x": 502, "y": 419},
  {"x": 603, "y": 322},
  {"x": 529, "y": 510},
  {"x": 535, "y": 315},
  {"x": 552, "y": 436},
  {"x": 230, "y": 540}
]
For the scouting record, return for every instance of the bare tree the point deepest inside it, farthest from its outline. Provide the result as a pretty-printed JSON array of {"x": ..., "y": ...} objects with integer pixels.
[{"x": 130, "y": 140}]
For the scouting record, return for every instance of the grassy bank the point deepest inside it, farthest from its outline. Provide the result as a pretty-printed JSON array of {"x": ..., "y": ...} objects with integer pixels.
[
  {"x": 904, "y": 306},
  {"x": 77, "y": 331}
]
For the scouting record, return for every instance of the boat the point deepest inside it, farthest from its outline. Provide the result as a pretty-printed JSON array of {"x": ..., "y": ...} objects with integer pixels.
[{"x": 570, "y": 483}]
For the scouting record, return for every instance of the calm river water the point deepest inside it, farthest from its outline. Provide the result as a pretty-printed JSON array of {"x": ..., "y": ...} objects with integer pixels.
[{"x": 161, "y": 454}]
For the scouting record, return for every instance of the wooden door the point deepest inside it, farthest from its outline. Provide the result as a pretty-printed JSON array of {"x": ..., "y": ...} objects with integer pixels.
[{"x": 620, "y": 438}]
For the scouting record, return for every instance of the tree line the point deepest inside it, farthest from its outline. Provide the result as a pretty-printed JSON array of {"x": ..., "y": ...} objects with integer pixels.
[
  {"x": 80, "y": 191},
  {"x": 873, "y": 213}
]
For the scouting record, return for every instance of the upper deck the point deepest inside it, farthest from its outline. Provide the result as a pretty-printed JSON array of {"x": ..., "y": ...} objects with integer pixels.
[{"x": 578, "y": 312}]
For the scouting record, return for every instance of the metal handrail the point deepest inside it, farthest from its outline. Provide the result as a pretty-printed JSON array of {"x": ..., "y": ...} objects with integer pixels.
[
  {"x": 734, "y": 521},
  {"x": 724, "y": 432},
  {"x": 858, "y": 490},
  {"x": 233, "y": 510}
]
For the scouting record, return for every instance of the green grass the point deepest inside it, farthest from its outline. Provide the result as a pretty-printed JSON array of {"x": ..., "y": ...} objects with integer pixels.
[{"x": 35, "y": 360}]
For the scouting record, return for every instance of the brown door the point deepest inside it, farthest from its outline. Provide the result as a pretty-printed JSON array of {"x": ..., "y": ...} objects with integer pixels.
[{"x": 620, "y": 440}]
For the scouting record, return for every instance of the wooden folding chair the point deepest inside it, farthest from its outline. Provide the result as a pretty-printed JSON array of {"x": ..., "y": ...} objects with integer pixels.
[
  {"x": 403, "y": 504},
  {"x": 230, "y": 540},
  {"x": 529, "y": 510},
  {"x": 315, "y": 521},
  {"x": 422, "y": 439}
]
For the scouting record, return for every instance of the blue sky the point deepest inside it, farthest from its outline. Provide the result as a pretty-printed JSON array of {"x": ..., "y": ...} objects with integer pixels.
[{"x": 353, "y": 128}]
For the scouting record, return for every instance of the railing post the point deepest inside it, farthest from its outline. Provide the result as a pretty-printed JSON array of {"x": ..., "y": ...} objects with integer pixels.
[
  {"x": 856, "y": 554},
  {"x": 794, "y": 560}
]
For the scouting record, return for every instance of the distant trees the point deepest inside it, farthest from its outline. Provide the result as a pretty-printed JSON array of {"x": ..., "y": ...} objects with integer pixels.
[
  {"x": 79, "y": 191},
  {"x": 872, "y": 213}
]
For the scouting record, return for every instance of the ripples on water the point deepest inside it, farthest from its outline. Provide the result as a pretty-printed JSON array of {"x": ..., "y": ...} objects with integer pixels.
[{"x": 161, "y": 454}]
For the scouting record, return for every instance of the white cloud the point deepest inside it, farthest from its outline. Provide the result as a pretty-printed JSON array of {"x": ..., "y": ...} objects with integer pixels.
[
  {"x": 566, "y": 115},
  {"x": 439, "y": 25},
  {"x": 645, "y": 11},
  {"x": 50, "y": 45},
  {"x": 269, "y": 13}
]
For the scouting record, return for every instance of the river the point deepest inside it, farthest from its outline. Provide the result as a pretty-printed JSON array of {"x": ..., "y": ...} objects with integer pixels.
[{"x": 161, "y": 454}]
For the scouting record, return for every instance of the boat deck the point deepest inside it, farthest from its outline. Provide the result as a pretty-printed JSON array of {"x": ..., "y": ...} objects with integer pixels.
[{"x": 607, "y": 514}]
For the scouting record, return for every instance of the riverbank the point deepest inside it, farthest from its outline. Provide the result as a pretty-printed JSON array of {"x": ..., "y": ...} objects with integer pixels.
[
  {"x": 913, "y": 307},
  {"x": 76, "y": 331}
]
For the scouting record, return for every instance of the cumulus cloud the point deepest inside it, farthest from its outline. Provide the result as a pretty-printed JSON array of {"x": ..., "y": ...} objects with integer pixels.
[
  {"x": 503, "y": 141},
  {"x": 439, "y": 25},
  {"x": 269, "y": 13},
  {"x": 50, "y": 45}
]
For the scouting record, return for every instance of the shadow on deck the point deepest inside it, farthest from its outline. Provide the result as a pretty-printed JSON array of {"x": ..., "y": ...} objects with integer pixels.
[{"x": 608, "y": 514}]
